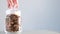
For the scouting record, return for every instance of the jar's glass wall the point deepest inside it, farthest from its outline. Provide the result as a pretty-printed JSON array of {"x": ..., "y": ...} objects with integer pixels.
[{"x": 13, "y": 21}]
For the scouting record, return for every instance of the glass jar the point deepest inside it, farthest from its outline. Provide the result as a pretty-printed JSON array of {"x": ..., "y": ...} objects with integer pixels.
[{"x": 13, "y": 20}]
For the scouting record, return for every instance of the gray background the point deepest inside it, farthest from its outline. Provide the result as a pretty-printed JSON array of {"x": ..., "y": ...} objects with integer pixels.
[{"x": 36, "y": 14}]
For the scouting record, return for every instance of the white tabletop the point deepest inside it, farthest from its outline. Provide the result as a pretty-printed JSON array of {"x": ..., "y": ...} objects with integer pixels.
[{"x": 36, "y": 32}]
